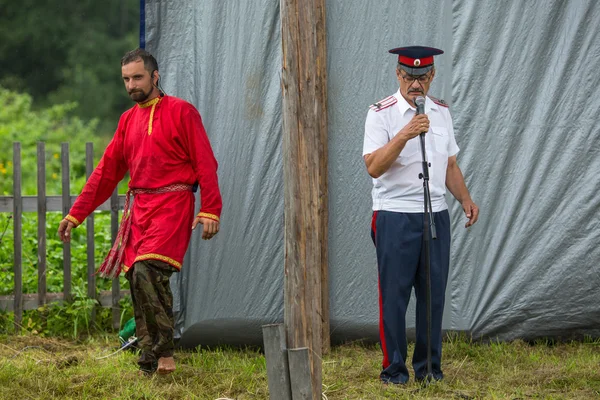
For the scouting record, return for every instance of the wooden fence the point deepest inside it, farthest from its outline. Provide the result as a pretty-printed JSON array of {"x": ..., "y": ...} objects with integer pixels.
[{"x": 17, "y": 204}]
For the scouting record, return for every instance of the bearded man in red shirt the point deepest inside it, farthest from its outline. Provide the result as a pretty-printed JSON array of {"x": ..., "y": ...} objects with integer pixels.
[{"x": 161, "y": 141}]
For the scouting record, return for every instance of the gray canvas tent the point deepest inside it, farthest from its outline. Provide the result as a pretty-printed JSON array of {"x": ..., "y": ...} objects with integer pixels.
[{"x": 523, "y": 83}]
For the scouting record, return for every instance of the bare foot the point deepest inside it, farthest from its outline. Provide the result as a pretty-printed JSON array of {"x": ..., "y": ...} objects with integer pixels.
[{"x": 166, "y": 365}]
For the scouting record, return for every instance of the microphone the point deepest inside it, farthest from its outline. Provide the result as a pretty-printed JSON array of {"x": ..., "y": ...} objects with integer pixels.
[{"x": 420, "y": 104}]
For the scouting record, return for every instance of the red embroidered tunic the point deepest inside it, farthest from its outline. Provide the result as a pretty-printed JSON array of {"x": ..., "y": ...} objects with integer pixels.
[{"x": 161, "y": 142}]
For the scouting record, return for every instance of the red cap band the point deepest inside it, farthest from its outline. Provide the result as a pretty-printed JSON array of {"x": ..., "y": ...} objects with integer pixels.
[{"x": 415, "y": 62}]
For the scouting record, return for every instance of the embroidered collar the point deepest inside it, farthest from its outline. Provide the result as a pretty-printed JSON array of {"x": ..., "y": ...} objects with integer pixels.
[{"x": 150, "y": 103}]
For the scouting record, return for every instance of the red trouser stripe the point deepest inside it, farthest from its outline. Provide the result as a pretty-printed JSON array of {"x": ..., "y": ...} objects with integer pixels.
[{"x": 386, "y": 361}]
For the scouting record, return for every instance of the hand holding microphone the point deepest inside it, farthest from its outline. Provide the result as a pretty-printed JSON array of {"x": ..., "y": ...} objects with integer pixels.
[
  {"x": 419, "y": 124},
  {"x": 420, "y": 105}
]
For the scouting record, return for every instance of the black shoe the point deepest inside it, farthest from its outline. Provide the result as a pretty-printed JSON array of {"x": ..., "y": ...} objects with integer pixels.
[
  {"x": 429, "y": 378},
  {"x": 393, "y": 380}
]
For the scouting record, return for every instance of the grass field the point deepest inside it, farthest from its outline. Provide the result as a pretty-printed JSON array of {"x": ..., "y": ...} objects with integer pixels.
[{"x": 39, "y": 368}]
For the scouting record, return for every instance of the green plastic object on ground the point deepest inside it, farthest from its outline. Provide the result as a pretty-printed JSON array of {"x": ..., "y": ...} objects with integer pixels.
[{"x": 128, "y": 330}]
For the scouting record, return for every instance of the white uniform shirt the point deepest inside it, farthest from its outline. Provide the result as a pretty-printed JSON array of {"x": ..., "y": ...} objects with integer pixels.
[{"x": 399, "y": 188}]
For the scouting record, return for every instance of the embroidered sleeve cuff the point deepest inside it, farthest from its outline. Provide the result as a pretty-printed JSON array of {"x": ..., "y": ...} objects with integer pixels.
[
  {"x": 73, "y": 220},
  {"x": 208, "y": 215}
]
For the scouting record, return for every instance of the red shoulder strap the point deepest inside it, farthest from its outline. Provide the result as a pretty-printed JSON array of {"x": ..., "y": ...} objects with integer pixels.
[
  {"x": 383, "y": 104},
  {"x": 439, "y": 102}
]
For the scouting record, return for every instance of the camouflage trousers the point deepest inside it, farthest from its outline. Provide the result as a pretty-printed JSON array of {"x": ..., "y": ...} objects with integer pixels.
[{"x": 153, "y": 310}]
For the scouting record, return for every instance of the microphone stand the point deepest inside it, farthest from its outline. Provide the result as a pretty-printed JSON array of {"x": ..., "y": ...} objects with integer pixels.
[{"x": 427, "y": 222}]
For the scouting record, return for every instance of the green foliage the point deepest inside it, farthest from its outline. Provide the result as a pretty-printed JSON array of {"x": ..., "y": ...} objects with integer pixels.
[
  {"x": 65, "y": 55},
  {"x": 69, "y": 51},
  {"x": 54, "y": 125},
  {"x": 54, "y": 254},
  {"x": 70, "y": 320}
]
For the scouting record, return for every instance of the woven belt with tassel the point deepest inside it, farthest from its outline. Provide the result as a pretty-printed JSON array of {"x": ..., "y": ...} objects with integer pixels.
[{"x": 111, "y": 267}]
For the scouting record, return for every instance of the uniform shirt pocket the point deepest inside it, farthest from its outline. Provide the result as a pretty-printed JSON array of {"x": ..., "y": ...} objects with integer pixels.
[
  {"x": 440, "y": 139},
  {"x": 411, "y": 151}
]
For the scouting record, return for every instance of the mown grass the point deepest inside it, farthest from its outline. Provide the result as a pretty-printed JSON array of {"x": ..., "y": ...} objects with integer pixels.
[{"x": 39, "y": 368}]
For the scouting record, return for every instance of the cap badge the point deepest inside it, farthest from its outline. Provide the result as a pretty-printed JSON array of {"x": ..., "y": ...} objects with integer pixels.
[{"x": 417, "y": 62}]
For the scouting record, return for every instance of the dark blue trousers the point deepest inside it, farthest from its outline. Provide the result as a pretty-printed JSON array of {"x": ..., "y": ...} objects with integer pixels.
[{"x": 398, "y": 238}]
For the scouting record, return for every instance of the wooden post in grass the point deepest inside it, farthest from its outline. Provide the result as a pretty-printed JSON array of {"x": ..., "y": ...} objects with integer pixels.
[
  {"x": 304, "y": 83},
  {"x": 91, "y": 265},
  {"x": 41, "y": 211},
  {"x": 300, "y": 374},
  {"x": 321, "y": 90},
  {"x": 278, "y": 372},
  {"x": 66, "y": 206},
  {"x": 17, "y": 226}
]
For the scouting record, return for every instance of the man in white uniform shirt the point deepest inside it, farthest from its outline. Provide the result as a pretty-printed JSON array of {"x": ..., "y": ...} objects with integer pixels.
[{"x": 393, "y": 158}]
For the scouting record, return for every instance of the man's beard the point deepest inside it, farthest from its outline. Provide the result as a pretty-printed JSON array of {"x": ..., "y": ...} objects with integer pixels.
[{"x": 139, "y": 96}]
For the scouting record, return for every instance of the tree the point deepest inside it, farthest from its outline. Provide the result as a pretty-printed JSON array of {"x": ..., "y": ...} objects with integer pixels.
[
  {"x": 53, "y": 125},
  {"x": 69, "y": 51}
]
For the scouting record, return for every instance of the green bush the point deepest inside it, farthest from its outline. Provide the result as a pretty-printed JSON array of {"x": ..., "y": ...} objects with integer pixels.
[
  {"x": 72, "y": 319},
  {"x": 54, "y": 254},
  {"x": 20, "y": 122}
]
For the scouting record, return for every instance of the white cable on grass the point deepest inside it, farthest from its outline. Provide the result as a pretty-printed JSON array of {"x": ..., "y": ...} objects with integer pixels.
[{"x": 129, "y": 343}]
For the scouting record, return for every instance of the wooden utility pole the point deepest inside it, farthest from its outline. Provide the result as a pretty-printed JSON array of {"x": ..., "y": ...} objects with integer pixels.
[
  {"x": 323, "y": 170},
  {"x": 304, "y": 86}
]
